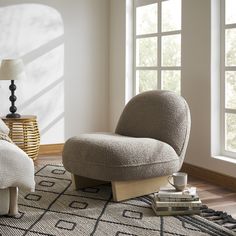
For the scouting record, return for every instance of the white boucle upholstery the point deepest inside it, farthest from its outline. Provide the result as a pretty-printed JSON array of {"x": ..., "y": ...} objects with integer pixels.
[
  {"x": 16, "y": 171},
  {"x": 16, "y": 168},
  {"x": 111, "y": 156}
]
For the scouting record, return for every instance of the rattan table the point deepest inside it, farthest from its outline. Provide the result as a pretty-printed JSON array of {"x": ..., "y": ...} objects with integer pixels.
[{"x": 25, "y": 134}]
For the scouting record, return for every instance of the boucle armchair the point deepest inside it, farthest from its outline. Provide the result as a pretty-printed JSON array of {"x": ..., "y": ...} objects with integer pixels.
[{"x": 148, "y": 145}]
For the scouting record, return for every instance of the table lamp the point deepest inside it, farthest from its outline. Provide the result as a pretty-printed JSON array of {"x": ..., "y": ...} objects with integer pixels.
[{"x": 12, "y": 69}]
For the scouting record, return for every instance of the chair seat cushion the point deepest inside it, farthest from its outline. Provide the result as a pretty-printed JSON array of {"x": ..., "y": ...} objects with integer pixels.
[{"x": 109, "y": 157}]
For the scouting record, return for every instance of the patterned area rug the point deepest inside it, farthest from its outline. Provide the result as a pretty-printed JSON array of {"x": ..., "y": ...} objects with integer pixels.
[{"x": 56, "y": 209}]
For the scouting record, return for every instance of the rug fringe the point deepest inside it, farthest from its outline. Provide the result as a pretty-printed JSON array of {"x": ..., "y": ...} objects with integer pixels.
[{"x": 219, "y": 217}]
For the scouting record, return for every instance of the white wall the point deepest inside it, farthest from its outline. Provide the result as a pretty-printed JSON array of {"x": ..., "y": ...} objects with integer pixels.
[
  {"x": 196, "y": 79},
  {"x": 65, "y": 50},
  {"x": 86, "y": 66},
  {"x": 196, "y": 87},
  {"x": 121, "y": 54},
  {"x": 117, "y": 60}
]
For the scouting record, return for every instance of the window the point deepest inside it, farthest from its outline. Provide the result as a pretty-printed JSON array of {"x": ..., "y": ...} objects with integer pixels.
[
  {"x": 228, "y": 58},
  {"x": 157, "y": 36}
]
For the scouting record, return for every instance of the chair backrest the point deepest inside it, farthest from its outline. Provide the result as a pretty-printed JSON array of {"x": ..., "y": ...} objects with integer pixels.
[{"x": 159, "y": 114}]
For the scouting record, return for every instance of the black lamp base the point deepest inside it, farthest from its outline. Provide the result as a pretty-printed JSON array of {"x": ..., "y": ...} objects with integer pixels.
[
  {"x": 13, "y": 98},
  {"x": 13, "y": 115}
]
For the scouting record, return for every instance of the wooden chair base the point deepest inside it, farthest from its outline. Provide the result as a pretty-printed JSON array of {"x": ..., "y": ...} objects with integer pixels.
[
  {"x": 82, "y": 182},
  {"x": 123, "y": 190}
]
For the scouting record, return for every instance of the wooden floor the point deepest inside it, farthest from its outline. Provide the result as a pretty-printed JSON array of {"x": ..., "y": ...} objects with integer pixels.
[{"x": 213, "y": 196}]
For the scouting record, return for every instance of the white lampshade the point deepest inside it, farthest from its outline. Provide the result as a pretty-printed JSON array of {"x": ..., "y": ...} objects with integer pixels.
[{"x": 12, "y": 69}]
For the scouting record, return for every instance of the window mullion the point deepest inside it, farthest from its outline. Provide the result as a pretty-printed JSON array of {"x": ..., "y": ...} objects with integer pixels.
[
  {"x": 139, "y": 3},
  {"x": 159, "y": 81},
  {"x": 228, "y": 110},
  {"x": 230, "y": 68},
  {"x": 167, "y": 33},
  {"x": 229, "y": 26},
  {"x": 134, "y": 49},
  {"x": 222, "y": 84}
]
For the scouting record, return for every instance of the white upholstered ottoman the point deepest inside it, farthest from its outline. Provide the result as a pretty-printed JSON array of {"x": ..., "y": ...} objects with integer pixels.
[{"x": 16, "y": 171}]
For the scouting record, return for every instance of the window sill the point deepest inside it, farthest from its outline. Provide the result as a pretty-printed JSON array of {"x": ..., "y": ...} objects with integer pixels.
[{"x": 225, "y": 158}]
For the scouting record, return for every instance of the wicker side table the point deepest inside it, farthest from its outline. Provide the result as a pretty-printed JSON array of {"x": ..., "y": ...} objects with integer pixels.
[{"x": 25, "y": 134}]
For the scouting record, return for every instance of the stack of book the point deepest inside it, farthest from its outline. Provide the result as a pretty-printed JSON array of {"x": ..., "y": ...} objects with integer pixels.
[{"x": 168, "y": 201}]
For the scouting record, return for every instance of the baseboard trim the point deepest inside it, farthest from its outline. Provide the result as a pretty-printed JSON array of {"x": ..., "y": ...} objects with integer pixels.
[
  {"x": 222, "y": 180},
  {"x": 51, "y": 149}
]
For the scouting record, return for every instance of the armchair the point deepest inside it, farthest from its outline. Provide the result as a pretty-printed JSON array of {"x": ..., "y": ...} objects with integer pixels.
[{"x": 148, "y": 145}]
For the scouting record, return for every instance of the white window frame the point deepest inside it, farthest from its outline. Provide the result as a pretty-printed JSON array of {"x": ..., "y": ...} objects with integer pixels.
[
  {"x": 159, "y": 68},
  {"x": 224, "y": 68}
]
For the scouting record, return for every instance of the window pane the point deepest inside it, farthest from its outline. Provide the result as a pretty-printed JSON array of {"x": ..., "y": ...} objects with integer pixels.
[
  {"x": 230, "y": 132},
  {"x": 146, "y": 80},
  {"x": 146, "y": 19},
  {"x": 230, "y": 8},
  {"x": 171, "y": 50},
  {"x": 171, "y": 80},
  {"x": 230, "y": 89},
  {"x": 146, "y": 52},
  {"x": 230, "y": 47},
  {"x": 171, "y": 15}
]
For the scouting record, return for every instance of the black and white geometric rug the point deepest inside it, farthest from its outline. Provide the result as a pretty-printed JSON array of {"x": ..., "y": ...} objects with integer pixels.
[{"x": 56, "y": 209}]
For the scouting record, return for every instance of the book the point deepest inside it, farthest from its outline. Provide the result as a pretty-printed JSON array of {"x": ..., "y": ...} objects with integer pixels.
[
  {"x": 189, "y": 204},
  {"x": 175, "y": 211},
  {"x": 173, "y": 199},
  {"x": 188, "y": 193},
  {"x": 168, "y": 202}
]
